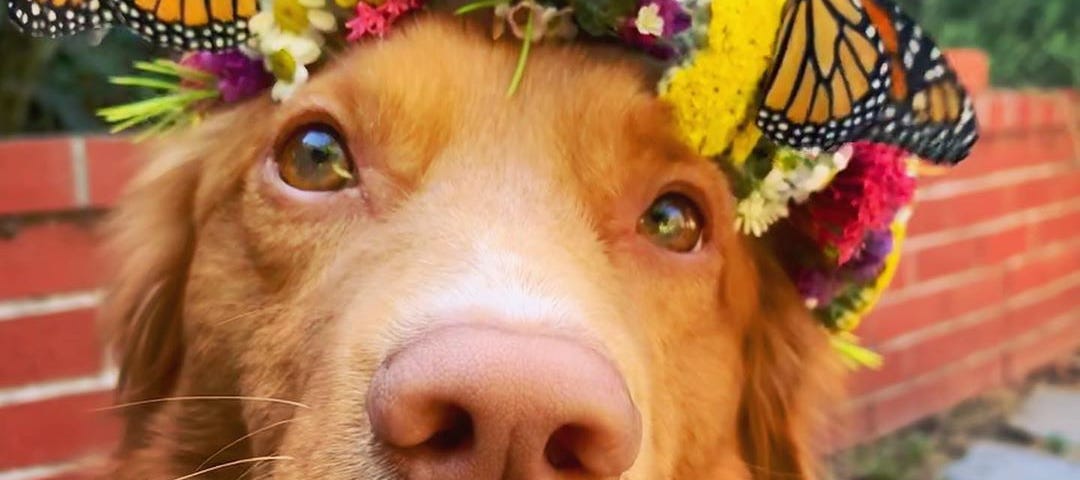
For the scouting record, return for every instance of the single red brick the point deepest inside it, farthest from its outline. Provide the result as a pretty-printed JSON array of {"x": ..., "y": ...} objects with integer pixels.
[
  {"x": 1049, "y": 112},
  {"x": 112, "y": 162},
  {"x": 36, "y": 175},
  {"x": 1042, "y": 270},
  {"x": 999, "y": 246},
  {"x": 1060, "y": 229},
  {"x": 959, "y": 211},
  {"x": 984, "y": 292},
  {"x": 948, "y": 259},
  {"x": 49, "y": 258},
  {"x": 55, "y": 430},
  {"x": 990, "y": 109},
  {"x": 47, "y": 347},
  {"x": 1027, "y": 318},
  {"x": 1056, "y": 189}
]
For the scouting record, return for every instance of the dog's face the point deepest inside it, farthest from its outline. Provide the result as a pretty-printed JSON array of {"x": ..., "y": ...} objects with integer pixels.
[{"x": 541, "y": 286}]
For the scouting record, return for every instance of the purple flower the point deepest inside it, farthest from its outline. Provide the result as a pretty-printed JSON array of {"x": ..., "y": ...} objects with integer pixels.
[
  {"x": 654, "y": 24},
  {"x": 238, "y": 75},
  {"x": 868, "y": 262},
  {"x": 816, "y": 286}
]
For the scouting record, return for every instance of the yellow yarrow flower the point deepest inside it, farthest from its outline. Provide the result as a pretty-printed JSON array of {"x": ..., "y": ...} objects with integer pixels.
[{"x": 715, "y": 92}]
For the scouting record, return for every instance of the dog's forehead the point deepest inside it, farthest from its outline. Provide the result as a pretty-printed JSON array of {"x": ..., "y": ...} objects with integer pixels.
[{"x": 439, "y": 86}]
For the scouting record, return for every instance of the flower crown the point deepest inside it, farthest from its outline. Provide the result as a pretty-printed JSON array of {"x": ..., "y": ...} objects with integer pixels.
[{"x": 819, "y": 111}]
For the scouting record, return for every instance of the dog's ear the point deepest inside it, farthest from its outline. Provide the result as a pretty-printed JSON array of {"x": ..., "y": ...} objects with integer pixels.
[
  {"x": 152, "y": 237},
  {"x": 790, "y": 373},
  {"x": 151, "y": 240}
]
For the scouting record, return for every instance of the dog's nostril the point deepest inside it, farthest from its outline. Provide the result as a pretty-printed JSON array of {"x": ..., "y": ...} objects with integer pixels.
[
  {"x": 455, "y": 434},
  {"x": 473, "y": 403},
  {"x": 561, "y": 447}
]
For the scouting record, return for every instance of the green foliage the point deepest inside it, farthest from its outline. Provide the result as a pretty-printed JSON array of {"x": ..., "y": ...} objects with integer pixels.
[
  {"x": 49, "y": 85},
  {"x": 1031, "y": 42},
  {"x": 904, "y": 456},
  {"x": 596, "y": 16}
]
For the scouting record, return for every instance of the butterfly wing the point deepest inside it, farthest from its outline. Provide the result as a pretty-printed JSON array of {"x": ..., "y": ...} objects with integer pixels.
[
  {"x": 829, "y": 77},
  {"x": 928, "y": 113},
  {"x": 189, "y": 24},
  {"x": 57, "y": 18}
]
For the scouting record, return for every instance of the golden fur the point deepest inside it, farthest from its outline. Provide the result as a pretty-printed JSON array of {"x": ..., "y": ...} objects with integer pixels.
[{"x": 227, "y": 286}]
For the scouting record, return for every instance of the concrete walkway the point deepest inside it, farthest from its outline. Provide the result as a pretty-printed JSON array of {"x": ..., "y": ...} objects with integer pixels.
[{"x": 1048, "y": 412}]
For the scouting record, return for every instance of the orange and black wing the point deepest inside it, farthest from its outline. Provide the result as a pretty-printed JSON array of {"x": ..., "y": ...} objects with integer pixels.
[
  {"x": 188, "y": 24},
  {"x": 928, "y": 113},
  {"x": 57, "y": 18},
  {"x": 829, "y": 75}
]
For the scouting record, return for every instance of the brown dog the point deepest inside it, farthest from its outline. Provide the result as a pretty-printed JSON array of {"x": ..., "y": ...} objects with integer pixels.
[{"x": 546, "y": 286}]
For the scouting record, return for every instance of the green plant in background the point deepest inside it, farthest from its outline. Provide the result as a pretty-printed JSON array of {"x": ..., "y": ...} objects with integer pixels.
[
  {"x": 1032, "y": 43},
  {"x": 907, "y": 455},
  {"x": 50, "y": 85}
]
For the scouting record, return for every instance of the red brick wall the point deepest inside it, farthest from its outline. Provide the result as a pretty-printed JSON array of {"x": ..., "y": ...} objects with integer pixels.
[{"x": 989, "y": 289}]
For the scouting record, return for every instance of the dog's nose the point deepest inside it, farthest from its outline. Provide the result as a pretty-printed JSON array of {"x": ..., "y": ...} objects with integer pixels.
[{"x": 475, "y": 403}]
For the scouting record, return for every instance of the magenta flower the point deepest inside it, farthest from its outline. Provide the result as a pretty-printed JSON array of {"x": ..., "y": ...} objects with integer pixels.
[
  {"x": 238, "y": 76},
  {"x": 373, "y": 20},
  {"x": 863, "y": 197},
  {"x": 654, "y": 24}
]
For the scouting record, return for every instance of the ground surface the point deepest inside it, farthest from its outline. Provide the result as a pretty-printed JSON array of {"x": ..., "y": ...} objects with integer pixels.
[{"x": 1030, "y": 432}]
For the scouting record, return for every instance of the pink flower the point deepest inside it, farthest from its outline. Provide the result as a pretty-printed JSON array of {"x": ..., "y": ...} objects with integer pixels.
[
  {"x": 863, "y": 197},
  {"x": 237, "y": 75},
  {"x": 377, "y": 20}
]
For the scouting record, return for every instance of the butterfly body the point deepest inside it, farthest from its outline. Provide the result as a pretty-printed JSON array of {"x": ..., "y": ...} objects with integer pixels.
[
  {"x": 177, "y": 24},
  {"x": 848, "y": 70}
]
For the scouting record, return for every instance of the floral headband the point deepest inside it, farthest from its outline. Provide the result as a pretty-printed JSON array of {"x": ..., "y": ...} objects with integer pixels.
[{"x": 820, "y": 111}]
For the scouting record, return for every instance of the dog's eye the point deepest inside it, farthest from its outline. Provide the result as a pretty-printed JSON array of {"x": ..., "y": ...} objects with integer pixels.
[
  {"x": 674, "y": 222},
  {"x": 314, "y": 159}
]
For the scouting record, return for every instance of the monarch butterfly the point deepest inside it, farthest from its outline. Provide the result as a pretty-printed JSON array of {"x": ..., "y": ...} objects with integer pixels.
[
  {"x": 178, "y": 24},
  {"x": 846, "y": 70}
]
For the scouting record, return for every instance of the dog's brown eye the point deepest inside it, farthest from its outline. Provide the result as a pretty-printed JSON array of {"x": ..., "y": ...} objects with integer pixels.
[
  {"x": 314, "y": 159},
  {"x": 674, "y": 222}
]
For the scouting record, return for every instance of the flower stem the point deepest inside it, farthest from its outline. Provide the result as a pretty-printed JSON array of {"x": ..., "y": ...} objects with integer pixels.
[
  {"x": 480, "y": 4},
  {"x": 523, "y": 58}
]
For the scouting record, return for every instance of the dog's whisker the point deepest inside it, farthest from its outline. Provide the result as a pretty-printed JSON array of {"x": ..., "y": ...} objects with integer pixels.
[
  {"x": 247, "y": 471},
  {"x": 245, "y": 437},
  {"x": 254, "y": 460},
  {"x": 201, "y": 397}
]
